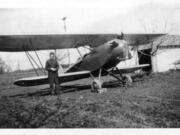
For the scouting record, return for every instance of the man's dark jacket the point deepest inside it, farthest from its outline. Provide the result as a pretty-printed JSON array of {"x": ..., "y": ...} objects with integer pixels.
[{"x": 52, "y": 75}]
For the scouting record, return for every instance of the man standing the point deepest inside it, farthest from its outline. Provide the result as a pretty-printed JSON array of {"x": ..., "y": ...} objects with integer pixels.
[{"x": 52, "y": 67}]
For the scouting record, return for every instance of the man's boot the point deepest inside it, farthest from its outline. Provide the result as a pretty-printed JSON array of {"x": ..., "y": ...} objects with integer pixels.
[
  {"x": 58, "y": 90},
  {"x": 53, "y": 92}
]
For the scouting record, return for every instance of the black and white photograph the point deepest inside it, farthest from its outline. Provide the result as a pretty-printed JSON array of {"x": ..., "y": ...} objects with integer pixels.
[{"x": 83, "y": 64}]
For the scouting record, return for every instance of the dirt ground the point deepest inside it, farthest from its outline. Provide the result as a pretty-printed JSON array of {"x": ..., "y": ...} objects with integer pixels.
[{"x": 151, "y": 101}]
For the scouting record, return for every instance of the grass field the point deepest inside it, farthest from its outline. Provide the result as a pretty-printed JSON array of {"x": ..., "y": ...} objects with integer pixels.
[{"x": 151, "y": 101}]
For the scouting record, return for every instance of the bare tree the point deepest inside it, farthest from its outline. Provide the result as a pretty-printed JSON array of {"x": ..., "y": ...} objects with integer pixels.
[
  {"x": 157, "y": 20},
  {"x": 4, "y": 68}
]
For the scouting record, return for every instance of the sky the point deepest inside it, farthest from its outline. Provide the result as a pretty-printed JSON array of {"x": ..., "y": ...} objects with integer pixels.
[{"x": 83, "y": 16}]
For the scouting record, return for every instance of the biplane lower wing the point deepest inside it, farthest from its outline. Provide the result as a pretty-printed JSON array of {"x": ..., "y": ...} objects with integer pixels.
[
  {"x": 131, "y": 68},
  {"x": 40, "y": 80},
  {"x": 67, "y": 77}
]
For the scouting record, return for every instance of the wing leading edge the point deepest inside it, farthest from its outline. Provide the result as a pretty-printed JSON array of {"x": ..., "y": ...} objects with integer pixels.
[{"x": 41, "y": 80}]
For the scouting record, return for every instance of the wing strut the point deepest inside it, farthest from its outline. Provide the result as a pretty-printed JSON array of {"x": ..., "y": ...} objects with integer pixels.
[
  {"x": 79, "y": 52},
  {"x": 69, "y": 58},
  {"x": 40, "y": 62},
  {"x": 28, "y": 56},
  {"x": 32, "y": 60}
]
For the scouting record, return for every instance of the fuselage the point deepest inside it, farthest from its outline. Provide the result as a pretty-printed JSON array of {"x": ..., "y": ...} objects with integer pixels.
[{"x": 105, "y": 56}]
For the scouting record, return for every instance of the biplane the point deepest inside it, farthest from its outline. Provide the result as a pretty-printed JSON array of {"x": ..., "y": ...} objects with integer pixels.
[{"x": 106, "y": 52}]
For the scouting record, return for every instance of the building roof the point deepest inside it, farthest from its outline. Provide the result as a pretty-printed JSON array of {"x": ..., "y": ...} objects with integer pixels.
[
  {"x": 168, "y": 41},
  {"x": 177, "y": 62}
]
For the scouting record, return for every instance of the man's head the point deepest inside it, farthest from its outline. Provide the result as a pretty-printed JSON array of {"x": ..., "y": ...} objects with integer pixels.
[{"x": 52, "y": 55}]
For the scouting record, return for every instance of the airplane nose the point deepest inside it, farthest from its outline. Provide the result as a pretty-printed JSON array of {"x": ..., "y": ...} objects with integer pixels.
[
  {"x": 114, "y": 45},
  {"x": 121, "y": 49}
]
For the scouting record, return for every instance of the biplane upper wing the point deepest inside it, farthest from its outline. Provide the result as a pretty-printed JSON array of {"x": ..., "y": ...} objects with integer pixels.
[
  {"x": 13, "y": 43},
  {"x": 67, "y": 77},
  {"x": 139, "y": 39}
]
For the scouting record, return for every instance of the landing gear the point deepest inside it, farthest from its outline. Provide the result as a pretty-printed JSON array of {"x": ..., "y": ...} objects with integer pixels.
[
  {"x": 96, "y": 85},
  {"x": 125, "y": 80}
]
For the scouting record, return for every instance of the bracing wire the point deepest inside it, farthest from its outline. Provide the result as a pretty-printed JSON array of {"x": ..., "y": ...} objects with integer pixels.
[
  {"x": 40, "y": 62},
  {"x": 27, "y": 54}
]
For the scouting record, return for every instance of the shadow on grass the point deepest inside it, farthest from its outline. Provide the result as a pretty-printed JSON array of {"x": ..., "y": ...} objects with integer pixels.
[{"x": 68, "y": 89}]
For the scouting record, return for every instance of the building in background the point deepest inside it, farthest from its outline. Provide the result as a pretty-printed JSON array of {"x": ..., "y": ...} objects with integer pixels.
[
  {"x": 168, "y": 53},
  {"x": 162, "y": 54}
]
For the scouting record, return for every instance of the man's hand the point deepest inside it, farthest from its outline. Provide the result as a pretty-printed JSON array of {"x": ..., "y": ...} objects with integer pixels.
[{"x": 53, "y": 69}]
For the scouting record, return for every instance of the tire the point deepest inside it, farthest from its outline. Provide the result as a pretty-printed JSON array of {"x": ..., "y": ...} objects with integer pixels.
[{"x": 96, "y": 85}]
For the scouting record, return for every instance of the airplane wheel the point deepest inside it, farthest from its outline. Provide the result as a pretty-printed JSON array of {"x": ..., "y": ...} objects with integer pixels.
[
  {"x": 96, "y": 85},
  {"x": 127, "y": 80}
]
